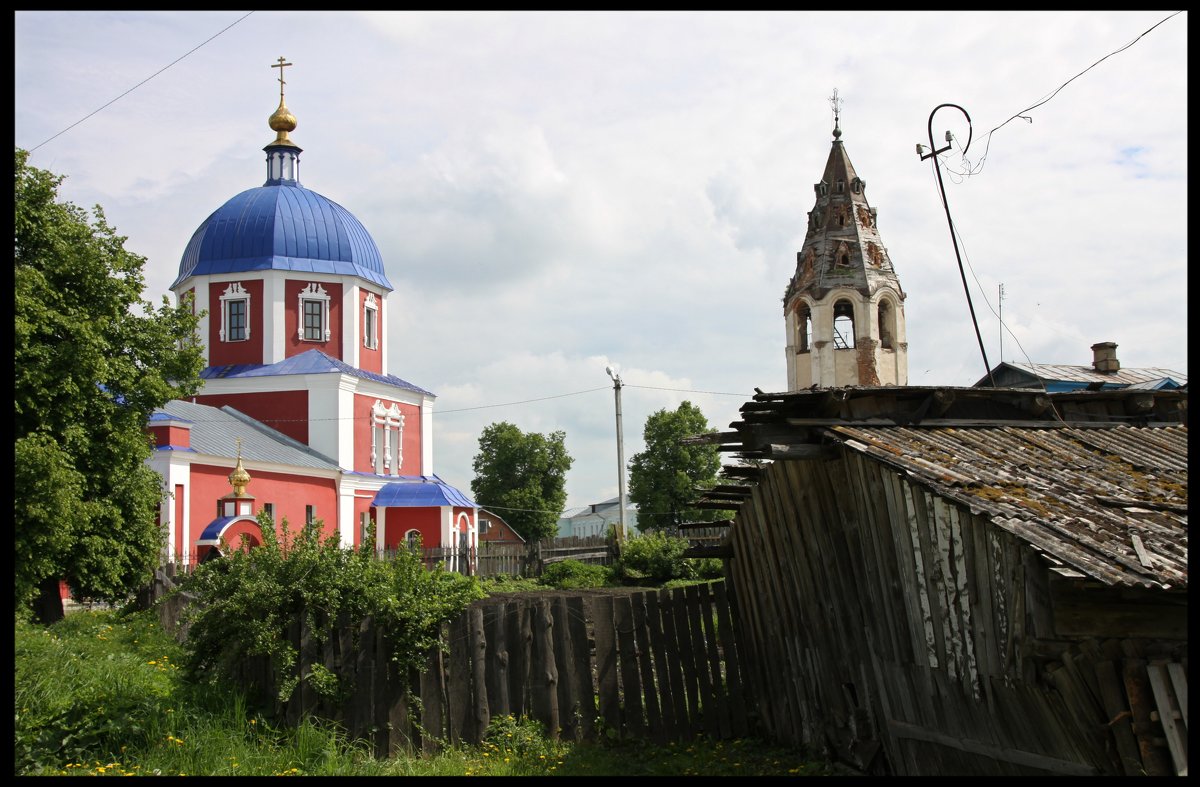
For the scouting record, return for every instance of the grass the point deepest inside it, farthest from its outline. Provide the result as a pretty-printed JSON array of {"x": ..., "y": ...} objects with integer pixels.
[{"x": 99, "y": 694}]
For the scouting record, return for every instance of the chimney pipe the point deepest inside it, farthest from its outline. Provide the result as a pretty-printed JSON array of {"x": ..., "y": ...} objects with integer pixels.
[{"x": 1104, "y": 357}]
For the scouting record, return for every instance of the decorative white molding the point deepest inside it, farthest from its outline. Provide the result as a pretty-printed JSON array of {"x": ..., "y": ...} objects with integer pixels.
[
  {"x": 314, "y": 292},
  {"x": 370, "y": 325},
  {"x": 234, "y": 292}
]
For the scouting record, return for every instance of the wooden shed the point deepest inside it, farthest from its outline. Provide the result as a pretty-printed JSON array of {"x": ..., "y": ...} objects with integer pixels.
[{"x": 938, "y": 581}]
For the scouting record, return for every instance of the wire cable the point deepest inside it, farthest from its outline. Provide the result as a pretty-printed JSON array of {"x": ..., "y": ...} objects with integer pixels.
[
  {"x": 135, "y": 87},
  {"x": 972, "y": 170}
]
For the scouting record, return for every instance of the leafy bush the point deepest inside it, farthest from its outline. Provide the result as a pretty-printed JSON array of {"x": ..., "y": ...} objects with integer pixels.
[
  {"x": 571, "y": 574},
  {"x": 247, "y": 600},
  {"x": 654, "y": 556}
]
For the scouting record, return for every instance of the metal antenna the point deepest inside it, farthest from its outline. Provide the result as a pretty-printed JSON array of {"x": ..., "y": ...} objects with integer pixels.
[
  {"x": 933, "y": 153},
  {"x": 1000, "y": 316}
]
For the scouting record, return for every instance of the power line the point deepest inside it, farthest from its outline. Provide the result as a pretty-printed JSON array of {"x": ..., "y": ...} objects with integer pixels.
[
  {"x": 1023, "y": 116},
  {"x": 139, "y": 84},
  {"x": 687, "y": 390},
  {"x": 523, "y": 401}
]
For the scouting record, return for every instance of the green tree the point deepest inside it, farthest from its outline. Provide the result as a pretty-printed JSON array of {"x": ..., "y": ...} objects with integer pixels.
[
  {"x": 523, "y": 476},
  {"x": 663, "y": 478},
  {"x": 92, "y": 360}
]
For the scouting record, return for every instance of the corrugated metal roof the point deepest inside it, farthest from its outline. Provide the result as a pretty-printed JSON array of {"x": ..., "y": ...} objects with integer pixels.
[
  {"x": 215, "y": 431},
  {"x": 1109, "y": 502},
  {"x": 308, "y": 362},
  {"x": 420, "y": 491},
  {"x": 1087, "y": 374}
]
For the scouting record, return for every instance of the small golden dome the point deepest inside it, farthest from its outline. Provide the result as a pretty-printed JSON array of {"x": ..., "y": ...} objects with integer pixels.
[
  {"x": 239, "y": 479},
  {"x": 282, "y": 120}
]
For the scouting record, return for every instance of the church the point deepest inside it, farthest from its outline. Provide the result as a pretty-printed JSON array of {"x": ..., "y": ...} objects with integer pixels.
[{"x": 298, "y": 415}]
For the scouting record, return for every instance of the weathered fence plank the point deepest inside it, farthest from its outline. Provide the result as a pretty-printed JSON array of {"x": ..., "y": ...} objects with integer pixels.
[
  {"x": 720, "y": 701},
  {"x": 359, "y": 716},
  {"x": 480, "y": 715},
  {"x": 581, "y": 655},
  {"x": 569, "y": 700},
  {"x": 672, "y": 647},
  {"x": 606, "y": 661},
  {"x": 494, "y": 624},
  {"x": 658, "y": 642},
  {"x": 707, "y": 700},
  {"x": 654, "y": 720},
  {"x": 458, "y": 684},
  {"x": 433, "y": 701},
  {"x": 733, "y": 668},
  {"x": 631, "y": 685},
  {"x": 520, "y": 649},
  {"x": 544, "y": 672},
  {"x": 687, "y": 659}
]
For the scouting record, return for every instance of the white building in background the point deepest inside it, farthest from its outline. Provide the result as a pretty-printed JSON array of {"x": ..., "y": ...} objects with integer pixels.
[{"x": 594, "y": 519}]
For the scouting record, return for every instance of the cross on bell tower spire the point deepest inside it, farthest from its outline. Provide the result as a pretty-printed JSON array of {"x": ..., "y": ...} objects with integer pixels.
[{"x": 836, "y": 104}]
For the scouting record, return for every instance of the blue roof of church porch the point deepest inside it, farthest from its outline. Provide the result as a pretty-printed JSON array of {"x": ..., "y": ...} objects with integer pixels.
[{"x": 420, "y": 491}]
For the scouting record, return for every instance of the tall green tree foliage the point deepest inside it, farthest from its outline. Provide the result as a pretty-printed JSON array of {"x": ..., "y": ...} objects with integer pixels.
[
  {"x": 92, "y": 360},
  {"x": 663, "y": 478},
  {"x": 523, "y": 476}
]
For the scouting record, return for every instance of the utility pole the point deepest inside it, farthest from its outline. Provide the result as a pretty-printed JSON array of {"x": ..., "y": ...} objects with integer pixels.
[
  {"x": 933, "y": 153},
  {"x": 616, "y": 378}
]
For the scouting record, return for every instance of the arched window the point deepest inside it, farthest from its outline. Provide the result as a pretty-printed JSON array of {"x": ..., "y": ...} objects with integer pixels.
[
  {"x": 412, "y": 539},
  {"x": 887, "y": 325},
  {"x": 843, "y": 325},
  {"x": 803, "y": 329}
]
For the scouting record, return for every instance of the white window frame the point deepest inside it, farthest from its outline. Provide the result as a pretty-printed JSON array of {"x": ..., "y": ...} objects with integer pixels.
[
  {"x": 314, "y": 292},
  {"x": 234, "y": 292},
  {"x": 370, "y": 322}
]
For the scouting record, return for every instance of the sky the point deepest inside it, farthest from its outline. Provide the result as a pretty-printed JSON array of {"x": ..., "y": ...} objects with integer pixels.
[{"x": 554, "y": 192}]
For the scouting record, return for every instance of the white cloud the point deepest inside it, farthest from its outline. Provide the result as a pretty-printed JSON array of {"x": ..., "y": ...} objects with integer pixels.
[{"x": 552, "y": 191}]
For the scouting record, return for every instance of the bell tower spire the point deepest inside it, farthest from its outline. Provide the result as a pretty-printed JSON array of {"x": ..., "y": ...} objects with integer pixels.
[{"x": 844, "y": 307}]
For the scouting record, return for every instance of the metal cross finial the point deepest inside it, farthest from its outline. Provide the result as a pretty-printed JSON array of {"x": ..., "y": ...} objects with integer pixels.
[
  {"x": 283, "y": 64},
  {"x": 239, "y": 447},
  {"x": 836, "y": 103}
]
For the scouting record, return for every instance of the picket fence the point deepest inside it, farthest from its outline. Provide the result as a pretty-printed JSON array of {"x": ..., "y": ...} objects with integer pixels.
[{"x": 661, "y": 664}]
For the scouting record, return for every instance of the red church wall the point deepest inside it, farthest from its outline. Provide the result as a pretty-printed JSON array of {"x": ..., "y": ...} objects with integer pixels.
[
  {"x": 410, "y": 459},
  {"x": 248, "y": 351},
  {"x": 370, "y": 360},
  {"x": 233, "y": 534},
  {"x": 286, "y": 411},
  {"x": 177, "y": 436},
  {"x": 288, "y": 495},
  {"x": 292, "y": 320},
  {"x": 362, "y": 505},
  {"x": 428, "y": 521}
]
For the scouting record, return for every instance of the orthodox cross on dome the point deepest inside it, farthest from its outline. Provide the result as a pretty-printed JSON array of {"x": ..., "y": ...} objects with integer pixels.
[
  {"x": 836, "y": 104},
  {"x": 282, "y": 120},
  {"x": 282, "y": 65}
]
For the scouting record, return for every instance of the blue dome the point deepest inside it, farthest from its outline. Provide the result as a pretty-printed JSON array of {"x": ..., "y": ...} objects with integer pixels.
[{"x": 282, "y": 226}]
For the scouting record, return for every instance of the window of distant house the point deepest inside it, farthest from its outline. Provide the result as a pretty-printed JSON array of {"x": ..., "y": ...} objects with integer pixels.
[
  {"x": 235, "y": 314},
  {"x": 370, "y": 322},
  {"x": 314, "y": 314}
]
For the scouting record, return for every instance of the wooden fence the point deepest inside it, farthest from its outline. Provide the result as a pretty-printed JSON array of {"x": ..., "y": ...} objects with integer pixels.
[{"x": 658, "y": 664}]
